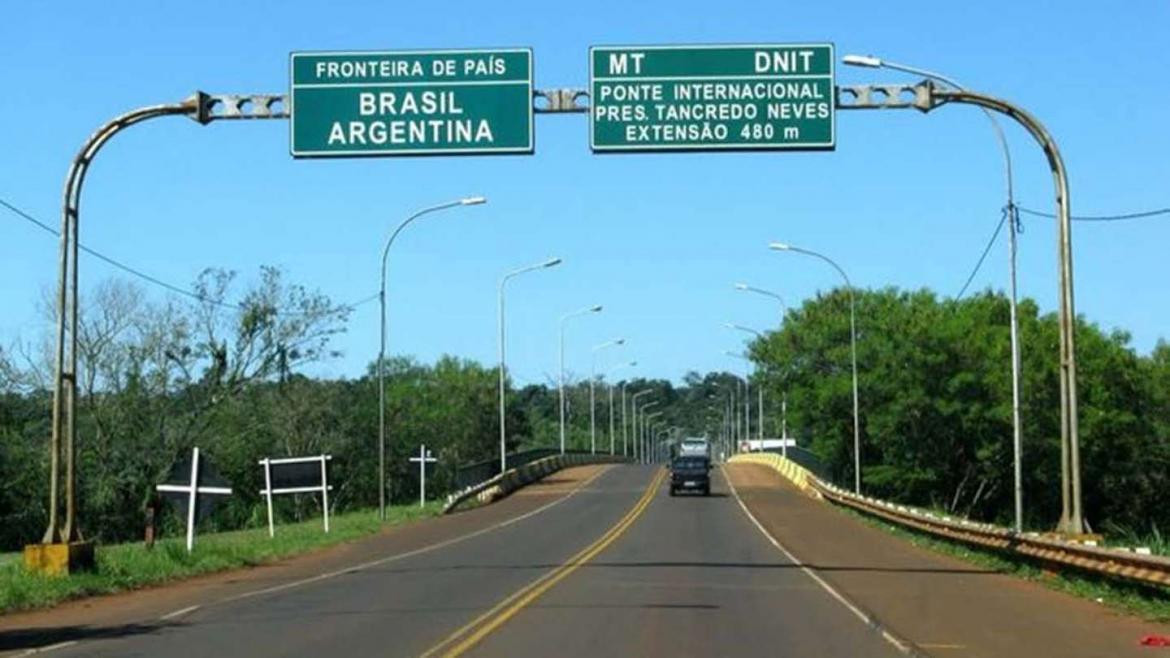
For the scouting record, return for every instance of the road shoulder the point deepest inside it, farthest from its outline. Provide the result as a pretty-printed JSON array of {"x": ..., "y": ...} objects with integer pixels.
[{"x": 943, "y": 605}]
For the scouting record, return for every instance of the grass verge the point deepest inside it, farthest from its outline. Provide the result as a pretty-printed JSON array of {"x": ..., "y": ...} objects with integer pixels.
[
  {"x": 123, "y": 567},
  {"x": 1151, "y": 603}
]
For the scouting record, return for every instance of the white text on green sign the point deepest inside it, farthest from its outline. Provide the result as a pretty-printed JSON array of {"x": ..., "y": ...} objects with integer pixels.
[
  {"x": 736, "y": 97},
  {"x": 411, "y": 103}
]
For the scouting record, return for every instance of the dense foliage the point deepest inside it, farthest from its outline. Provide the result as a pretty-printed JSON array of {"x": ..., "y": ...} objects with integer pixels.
[{"x": 935, "y": 391}]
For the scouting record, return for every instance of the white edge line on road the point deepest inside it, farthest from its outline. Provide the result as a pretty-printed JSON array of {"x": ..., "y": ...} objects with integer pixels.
[
  {"x": 356, "y": 567},
  {"x": 180, "y": 612},
  {"x": 900, "y": 644}
]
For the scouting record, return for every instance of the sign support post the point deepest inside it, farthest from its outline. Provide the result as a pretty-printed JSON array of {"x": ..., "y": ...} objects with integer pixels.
[
  {"x": 268, "y": 494},
  {"x": 193, "y": 490},
  {"x": 291, "y": 478},
  {"x": 424, "y": 458}
]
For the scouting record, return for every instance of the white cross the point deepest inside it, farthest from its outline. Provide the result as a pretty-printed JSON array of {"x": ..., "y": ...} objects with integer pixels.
[
  {"x": 193, "y": 490},
  {"x": 424, "y": 458}
]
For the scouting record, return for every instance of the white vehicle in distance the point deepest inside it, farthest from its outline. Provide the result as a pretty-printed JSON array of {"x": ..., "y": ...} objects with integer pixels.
[{"x": 694, "y": 447}]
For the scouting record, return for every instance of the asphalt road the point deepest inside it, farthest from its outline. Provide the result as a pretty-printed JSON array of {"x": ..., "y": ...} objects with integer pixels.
[{"x": 618, "y": 568}]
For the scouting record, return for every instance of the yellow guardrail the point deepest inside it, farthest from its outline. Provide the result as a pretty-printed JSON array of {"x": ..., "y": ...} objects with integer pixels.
[{"x": 795, "y": 473}]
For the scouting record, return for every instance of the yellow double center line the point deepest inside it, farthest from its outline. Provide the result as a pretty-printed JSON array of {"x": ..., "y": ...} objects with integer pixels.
[{"x": 468, "y": 636}]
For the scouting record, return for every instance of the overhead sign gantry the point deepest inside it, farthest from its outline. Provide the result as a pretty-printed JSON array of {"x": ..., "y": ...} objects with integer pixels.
[{"x": 467, "y": 102}]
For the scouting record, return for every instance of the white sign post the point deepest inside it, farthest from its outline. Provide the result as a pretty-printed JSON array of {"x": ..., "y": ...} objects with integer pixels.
[
  {"x": 323, "y": 487},
  {"x": 193, "y": 491},
  {"x": 424, "y": 458}
]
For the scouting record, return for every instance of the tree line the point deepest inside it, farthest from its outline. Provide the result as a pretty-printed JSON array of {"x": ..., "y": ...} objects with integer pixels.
[{"x": 157, "y": 378}]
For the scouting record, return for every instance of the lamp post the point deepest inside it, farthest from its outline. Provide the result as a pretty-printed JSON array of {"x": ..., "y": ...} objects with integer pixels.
[
  {"x": 747, "y": 406},
  {"x": 612, "y": 370},
  {"x": 1017, "y": 422},
  {"x": 647, "y": 435},
  {"x": 733, "y": 428},
  {"x": 641, "y": 427},
  {"x": 759, "y": 390},
  {"x": 564, "y": 318},
  {"x": 503, "y": 372},
  {"x": 725, "y": 429},
  {"x": 767, "y": 293},
  {"x": 634, "y": 419},
  {"x": 780, "y": 246},
  {"x": 592, "y": 397},
  {"x": 784, "y": 393},
  {"x": 625, "y": 432},
  {"x": 468, "y": 201}
]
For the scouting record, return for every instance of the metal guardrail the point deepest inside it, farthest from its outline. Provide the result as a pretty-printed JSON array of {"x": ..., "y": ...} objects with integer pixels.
[
  {"x": 504, "y": 483},
  {"x": 1118, "y": 563},
  {"x": 469, "y": 475},
  {"x": 1114, "y": 562}
]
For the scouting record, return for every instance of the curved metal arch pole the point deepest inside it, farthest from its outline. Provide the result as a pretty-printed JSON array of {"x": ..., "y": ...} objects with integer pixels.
[
  {"x": 1072, "y": 519},
  {"x": 64, "y": 426}
]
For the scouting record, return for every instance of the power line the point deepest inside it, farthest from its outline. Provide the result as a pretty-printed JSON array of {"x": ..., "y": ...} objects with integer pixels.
[
  {"x": 1013, "y": 210},
  {"x": 1101, "y": 218},
  {"x": 156, "y": 281},
  {"x": 986, "y": 250}
]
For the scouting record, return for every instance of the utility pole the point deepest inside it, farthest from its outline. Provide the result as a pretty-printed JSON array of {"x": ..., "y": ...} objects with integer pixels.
[{"x": 1010, "y": 216}]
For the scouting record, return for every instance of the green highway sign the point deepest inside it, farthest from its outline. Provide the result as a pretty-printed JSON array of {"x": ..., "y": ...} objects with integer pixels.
[
  {"x": 698, "y": 98},
  {"x": 441, "y": 102}
]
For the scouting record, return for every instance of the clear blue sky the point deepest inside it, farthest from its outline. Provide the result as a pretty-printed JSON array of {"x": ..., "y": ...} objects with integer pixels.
[{"x": 906, "y": 199}]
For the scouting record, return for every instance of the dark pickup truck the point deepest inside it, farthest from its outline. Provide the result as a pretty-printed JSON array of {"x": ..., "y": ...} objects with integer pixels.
[{"x": 690, "y": 473}]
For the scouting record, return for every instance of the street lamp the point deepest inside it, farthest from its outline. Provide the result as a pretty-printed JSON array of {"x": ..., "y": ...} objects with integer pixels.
[
  {"x": 468, "y": 201},
  {"x": 552, "y": 262},
  {"x": 780, "y": 246},
  {"x": 740, "y": 327},
  {"x": 767, "y": 293},
  {"x": 634, "y": 418},
  {"x": 612, "y": 370},
  {"x": 592, "y": 399},
  {"x": 1017, "y": 423},
  {"x": 747, "y": 396},
  {"x": 784, "y": 377},
  {"x": 647, "y": 434},
  {"x": 641, "y": 430},
  {"x": 564, "y": 318},
  {"x": 732, "y": 419},
  {"x": 759, "y": 391}
]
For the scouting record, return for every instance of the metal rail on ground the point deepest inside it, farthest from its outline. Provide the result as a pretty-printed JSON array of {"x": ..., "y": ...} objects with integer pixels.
[{"x": 1122, "y": 563}]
